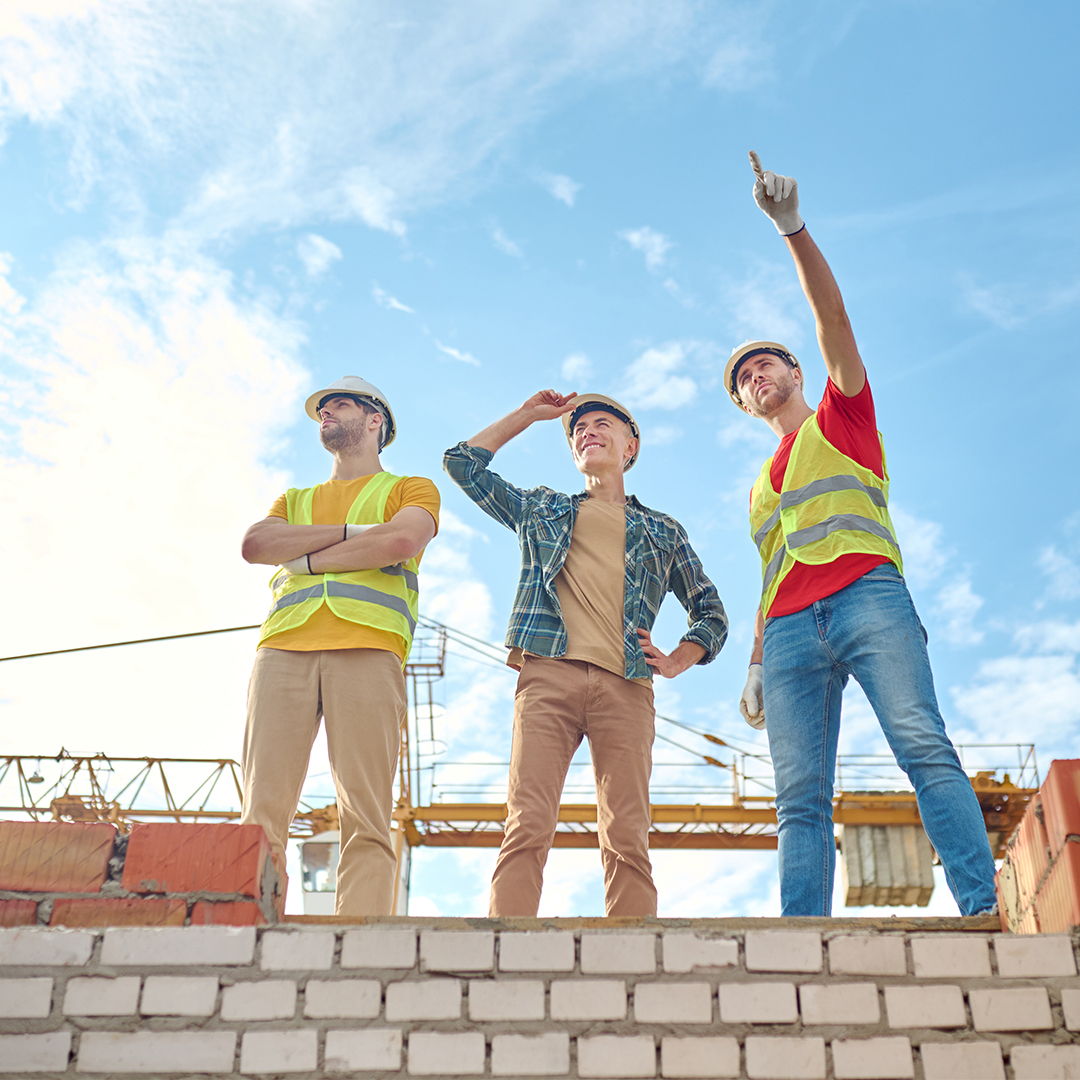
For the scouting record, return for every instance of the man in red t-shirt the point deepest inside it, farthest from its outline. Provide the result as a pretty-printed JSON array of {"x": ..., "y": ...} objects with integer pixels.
[{"x": 834, "y": 603}]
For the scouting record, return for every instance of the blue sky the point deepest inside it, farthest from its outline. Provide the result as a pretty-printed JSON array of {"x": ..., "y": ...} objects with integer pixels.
[{"x": 211, "y": 210}]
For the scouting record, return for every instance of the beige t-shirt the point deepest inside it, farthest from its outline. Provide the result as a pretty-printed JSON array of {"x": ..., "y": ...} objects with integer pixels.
[{"x": 591, "y": 588}]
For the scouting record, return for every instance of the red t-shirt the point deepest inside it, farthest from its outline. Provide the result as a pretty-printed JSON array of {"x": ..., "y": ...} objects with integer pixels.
[{"x": 850, "y": 424}]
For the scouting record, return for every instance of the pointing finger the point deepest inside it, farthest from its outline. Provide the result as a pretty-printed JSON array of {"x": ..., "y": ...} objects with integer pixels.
[{"x": 755, "y": 164}]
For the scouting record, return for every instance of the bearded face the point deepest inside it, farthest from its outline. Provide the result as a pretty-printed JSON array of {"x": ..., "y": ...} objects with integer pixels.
[{"x": 345, "y": 435}]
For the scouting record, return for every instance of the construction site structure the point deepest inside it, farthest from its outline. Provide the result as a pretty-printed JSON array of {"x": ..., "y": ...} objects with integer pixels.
[{"x": 886, "y": 858}]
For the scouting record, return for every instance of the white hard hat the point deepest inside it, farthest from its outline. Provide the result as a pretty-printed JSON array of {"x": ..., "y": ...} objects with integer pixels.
[
  {"x": 750, "y": 348},
  {"x": 584, "y": 403},
  {"x": 354, "y": 386}
]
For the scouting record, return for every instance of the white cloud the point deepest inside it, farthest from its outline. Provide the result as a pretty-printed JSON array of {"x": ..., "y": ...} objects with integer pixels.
[
  {"x": 653, "y": 379},
  {"x": 145, "y": 396},
  {"x": 457, "y": 354},
  {"x": 739, "y": 65},
  {"x": 660, "y": 436},
  {"x": 384, "y": 299},
  {"x": 924, "y": 552},
  {"x": 768, "y": 305},
  {"x": 957, "y": 604},
  {"x": 652, "y": 244},
  {"x": 561, "y": 187},
  {"x": 1012, "y": 306},
  {"x": 317, "y": 254},
  {"x": 505, "y": 244},
  {"x": 1063, "y": 572},
  {"x": 577, "y": 367},
  {"x": 350, "y": 114}
]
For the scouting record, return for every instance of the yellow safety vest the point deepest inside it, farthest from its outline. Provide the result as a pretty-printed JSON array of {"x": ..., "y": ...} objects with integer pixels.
[
  {"x": 386, "y": 599},
  {"x": 829, "y": 506}
]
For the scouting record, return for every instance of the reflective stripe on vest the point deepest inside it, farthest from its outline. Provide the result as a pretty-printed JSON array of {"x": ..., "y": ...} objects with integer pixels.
[
  {"x": 814, "y": 521},
  {"x": 384, "y": 599}
]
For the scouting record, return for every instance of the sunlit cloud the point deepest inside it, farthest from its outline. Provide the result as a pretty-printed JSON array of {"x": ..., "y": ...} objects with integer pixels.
[
  {"x": 135, "y": 93},
  {"x": 767, "y": 305},
  {"x": 652, "y": 244},
  {"x": 384, "y": 299},
  {"x": 957, "y": 606},
  {"x": 654, "y": 379},
  {"x": 561, "y": 187},
  {"x": 577, "y": 367},
  {"x": 457, "y": 354},
  {"x": 505, "y": 244},
  {"x": 1010, "y": 306},
  {"x": 317, "y": 254}
]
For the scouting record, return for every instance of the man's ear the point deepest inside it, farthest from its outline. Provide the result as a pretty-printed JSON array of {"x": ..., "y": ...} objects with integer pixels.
[{"x": 632, "y": 449}]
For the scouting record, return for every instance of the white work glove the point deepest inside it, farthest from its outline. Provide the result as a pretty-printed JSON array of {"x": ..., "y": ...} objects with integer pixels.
[
  {"x": 778, "y": 197},
  {"x": 752, "y": 705},
  {"x": 354, "y": 530},
  {"x": 297, "y": 566}
]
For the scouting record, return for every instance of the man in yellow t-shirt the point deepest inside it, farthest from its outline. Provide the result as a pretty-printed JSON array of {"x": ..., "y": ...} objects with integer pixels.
[{"x": 337, "y": 637}]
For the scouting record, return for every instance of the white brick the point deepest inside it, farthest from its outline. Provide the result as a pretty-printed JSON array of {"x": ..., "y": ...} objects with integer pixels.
[
  {"x": 367, "y": 1050},
  {"x": 297, "y": 950},
  {"x": 962, "y": 1061},
  {"x": 531, "y": 1055},
  {"x": 925, "y": 1007},
  {"x": 588, "y": 999},
  {"x": 271, "y": 999},
  {"x": 446, "y": 1053},
  {"x": 38, "y": 946},
  {"x": 25, "y": 998},
  {"x": 35, "y": 1053},
  {"x": 684, "y": 951},
  {"x": 1070, "y": 1006},
  {"x": 867, "y": 954},
  {"x": 616, "y": 1055},
  {"x": 784, "y": 1059},
  {"x": 507, "y": 999},
  {"x": 1045, "y": 1062},
  {"x": 783, "y": 950},
  {"x": 1026, "y": 1009},
  {"x": 758, "y": 1003},
  {"x": 432, "y": 999},
  {"x": 536, "y": 951},
  {"x": 872, "y": 1059},
  {"x": 355, "y": 998},
  {"x": 673, "y": 1003},
  {"x": 146, "y": 1051},
  {"x": 450, "y": 950},
  {"x": 839, "y": 1003},
  {"x": 179, "y": 995},
  {"x": 153, "y": 945},
  {"x": 711, "y": 1056},
  {"x": 942, "y": 957},
  {"x": 1034, "y": 956},
  {"x": 378, "y": 949},
  {"x": 618, "y": 954},
  {"x": 102, "y": 997},
  {"x": 279, "y": 1051}
]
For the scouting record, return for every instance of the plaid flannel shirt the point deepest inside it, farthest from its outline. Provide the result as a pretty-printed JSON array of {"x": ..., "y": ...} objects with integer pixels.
[{"x": 659, "y": 559}]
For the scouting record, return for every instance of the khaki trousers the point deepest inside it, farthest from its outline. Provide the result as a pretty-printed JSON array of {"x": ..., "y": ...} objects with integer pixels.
[
  {"x": 559, "y": 702},
  {"x": 360, "y": 694}
]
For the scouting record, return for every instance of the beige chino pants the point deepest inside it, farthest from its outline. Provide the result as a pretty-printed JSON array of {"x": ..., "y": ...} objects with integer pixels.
[
  {"x": 558, "y": 703},
  {"x": 360, "y": 694}
]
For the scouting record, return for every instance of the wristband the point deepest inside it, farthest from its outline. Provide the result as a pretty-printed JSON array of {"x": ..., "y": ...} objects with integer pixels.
[{"x": 355, "y": 530}]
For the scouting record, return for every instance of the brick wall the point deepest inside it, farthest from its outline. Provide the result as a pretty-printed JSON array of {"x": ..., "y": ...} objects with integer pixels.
[
  {"x": 83, "y": 874},
  {"x": 844, "y": 999}
]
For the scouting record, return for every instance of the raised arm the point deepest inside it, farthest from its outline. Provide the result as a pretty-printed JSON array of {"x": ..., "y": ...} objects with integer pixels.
[
  {"x": 546, "y": 405},
  {"x": 778, "y": 197}
]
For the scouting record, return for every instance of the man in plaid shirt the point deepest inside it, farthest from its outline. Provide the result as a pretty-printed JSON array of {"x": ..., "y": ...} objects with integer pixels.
[{"x": 594, "y": 570}]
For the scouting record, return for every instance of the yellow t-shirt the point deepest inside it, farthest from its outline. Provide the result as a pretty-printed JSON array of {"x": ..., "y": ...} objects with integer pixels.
[{"x": 331, "y": 502}]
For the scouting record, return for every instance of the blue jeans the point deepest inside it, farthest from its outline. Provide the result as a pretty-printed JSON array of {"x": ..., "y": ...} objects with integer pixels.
[{"x": 869, "y": 630}]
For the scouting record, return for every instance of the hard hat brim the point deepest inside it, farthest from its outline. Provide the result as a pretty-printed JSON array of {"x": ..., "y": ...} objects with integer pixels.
[{"x": 605, "y": 404}]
